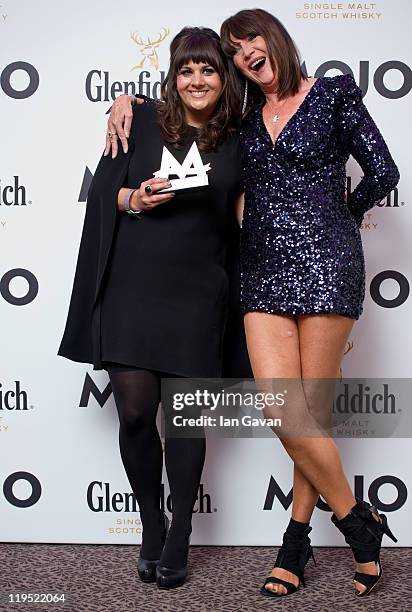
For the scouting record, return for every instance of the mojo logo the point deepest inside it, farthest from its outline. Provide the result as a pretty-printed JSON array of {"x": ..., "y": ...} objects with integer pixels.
[
  {"x": 399, "y": 298},
  {"x": 90, "y": 388},
  {"x": 13, "y": 194},
  {"x": 22, "y": 478},
  {"x": 6, "y": 80},
  {"x": 362, "y": 401},
  {"x": 13, "y": 399},
  {"x": 285, "y": 499},
  {"x": 86, "y": 182},
  {"x": 101, "y": 499},
  {"x": 32, "y": 287},
  {"x": 364, "y": 76}
]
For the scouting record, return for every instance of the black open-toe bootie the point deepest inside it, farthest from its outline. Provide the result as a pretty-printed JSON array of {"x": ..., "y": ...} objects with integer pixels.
[
  {"x": 147, "y": 568},
  {"x": 293, "y": 555},
  {"x": 364, "y": 535}
]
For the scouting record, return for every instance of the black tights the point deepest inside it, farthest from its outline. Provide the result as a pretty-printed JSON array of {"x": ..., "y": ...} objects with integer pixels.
[{"x": 137, "y": 396}]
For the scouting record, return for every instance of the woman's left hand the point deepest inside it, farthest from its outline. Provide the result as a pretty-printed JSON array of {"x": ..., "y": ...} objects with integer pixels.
[{"x": 147, "y": 195}]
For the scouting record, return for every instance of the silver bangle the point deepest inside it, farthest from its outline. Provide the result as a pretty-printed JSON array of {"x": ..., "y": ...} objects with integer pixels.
[{"x": 126, "y": 203}]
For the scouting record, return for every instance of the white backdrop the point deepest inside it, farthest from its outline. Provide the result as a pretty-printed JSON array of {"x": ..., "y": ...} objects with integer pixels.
[{"x": 53, "y": 128}]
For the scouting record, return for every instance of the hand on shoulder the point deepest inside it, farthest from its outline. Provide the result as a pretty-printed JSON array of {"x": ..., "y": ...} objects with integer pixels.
[{"x": 120, "y": 122}]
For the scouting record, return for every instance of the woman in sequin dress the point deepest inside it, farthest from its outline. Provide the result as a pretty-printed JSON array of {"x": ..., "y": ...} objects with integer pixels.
[{"x": 303, "y": 276}]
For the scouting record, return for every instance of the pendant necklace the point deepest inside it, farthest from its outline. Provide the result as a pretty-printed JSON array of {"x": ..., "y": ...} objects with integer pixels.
[{"x": 275, "y": 116}]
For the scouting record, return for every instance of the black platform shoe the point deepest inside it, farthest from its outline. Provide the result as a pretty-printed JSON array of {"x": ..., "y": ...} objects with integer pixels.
[
  {"x": 293, "y": 555},
  {"x": 364, "y": 535},
  {"x": 147, "y": 568},
  {"x": 170, "y": 578}
]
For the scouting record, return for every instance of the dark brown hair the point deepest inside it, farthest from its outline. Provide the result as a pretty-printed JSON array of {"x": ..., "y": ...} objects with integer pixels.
[
  {"x": 199, "y": 45},
  {"x": 283, "y": 53}
]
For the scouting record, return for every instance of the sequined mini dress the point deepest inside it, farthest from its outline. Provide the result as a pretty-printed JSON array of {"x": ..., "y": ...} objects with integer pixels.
[{"x": 301, "y": 249}]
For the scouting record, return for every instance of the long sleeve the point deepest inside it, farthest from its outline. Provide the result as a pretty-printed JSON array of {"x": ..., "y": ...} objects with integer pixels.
[
  {"x": 98, "y": 229},
  {"x": 365, "y": 143}
]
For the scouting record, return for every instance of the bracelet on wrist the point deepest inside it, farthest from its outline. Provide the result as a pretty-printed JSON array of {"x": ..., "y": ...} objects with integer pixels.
[{"x": 126, "y": 203}]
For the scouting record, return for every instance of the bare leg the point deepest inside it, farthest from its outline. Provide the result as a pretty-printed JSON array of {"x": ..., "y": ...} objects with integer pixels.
[
  {"x": 305, "y": 497},
  {"x": 275, "y": 344},
  {"x": 315, "y": 344},
  {"x": 282, "y": 360}
]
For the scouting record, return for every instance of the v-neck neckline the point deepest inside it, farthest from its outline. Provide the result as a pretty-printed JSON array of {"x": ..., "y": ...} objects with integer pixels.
[{"x": 274, "y": 142}]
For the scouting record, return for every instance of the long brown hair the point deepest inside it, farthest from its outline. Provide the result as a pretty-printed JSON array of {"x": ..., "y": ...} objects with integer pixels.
[
  {"x": 283, "y": 53},
  {"x": 199, "y": 45}
]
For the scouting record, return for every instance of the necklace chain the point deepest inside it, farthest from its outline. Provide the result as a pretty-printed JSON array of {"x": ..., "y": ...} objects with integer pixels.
[{"x": 275, "y": 116}]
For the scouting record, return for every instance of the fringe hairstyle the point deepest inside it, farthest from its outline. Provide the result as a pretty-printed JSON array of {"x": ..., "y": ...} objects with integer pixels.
[
  {"x": 283, "y": 53},
  {"x": 199, "y": 45}
]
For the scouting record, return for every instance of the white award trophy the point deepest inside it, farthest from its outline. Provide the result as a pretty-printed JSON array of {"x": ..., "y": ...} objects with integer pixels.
[{"x": 192, "y": 173}]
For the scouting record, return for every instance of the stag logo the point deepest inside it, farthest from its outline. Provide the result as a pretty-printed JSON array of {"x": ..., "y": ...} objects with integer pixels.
[{"x": 148, "y": 49}]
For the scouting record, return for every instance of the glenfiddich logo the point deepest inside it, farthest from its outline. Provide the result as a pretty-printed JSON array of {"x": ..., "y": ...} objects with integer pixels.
[
  {"x": 391, "y": 201},
  {"x": 12, "y": 193},
  {"x": 4, "y": 15},
  {"x": 101, "y": 498},
  {"x": 343, "y": 11},
  {"x": 14, "y": 398},
  {"x": 362, "y": 399},
  {"x": 149, "y": 48},
  {"x": 100, "y": 87}
]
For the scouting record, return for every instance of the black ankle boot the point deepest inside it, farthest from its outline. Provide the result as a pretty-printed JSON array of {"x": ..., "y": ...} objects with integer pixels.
[
  {"x": 147, "y": 568},
  {"x": 293, "y": 555},
  {"x": 364, "y": 535}
]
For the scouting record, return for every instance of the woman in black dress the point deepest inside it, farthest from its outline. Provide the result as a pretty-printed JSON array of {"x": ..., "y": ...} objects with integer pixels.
[{"x": 151, "y": 290}]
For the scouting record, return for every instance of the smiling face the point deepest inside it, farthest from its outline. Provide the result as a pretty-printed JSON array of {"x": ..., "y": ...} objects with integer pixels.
[
  {"x": 251, "y": 58},
  {"x": 199, "y": 87}
]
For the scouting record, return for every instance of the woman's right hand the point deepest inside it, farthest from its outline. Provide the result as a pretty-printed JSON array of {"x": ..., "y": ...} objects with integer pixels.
[
  {"x": 146, "y": 200},
  {"x": 119, "y": 123}
]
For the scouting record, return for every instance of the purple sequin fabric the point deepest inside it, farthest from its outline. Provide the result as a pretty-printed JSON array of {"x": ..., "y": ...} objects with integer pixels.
[{"x": 301, "y": 250}]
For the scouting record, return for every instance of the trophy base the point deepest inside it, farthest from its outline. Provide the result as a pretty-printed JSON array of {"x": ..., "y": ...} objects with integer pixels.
[{"x": 186, "y": 183}]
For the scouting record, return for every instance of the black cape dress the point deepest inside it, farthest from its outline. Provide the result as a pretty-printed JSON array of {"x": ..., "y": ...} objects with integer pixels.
[{"x": 160, "y": 291}]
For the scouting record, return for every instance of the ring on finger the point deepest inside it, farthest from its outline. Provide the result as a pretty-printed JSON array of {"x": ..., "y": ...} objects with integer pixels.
[{"x": 148, "y": 189}]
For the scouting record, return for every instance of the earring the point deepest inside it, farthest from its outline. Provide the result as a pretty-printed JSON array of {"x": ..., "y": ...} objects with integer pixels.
[{"x": 245, "y": 98}]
